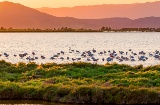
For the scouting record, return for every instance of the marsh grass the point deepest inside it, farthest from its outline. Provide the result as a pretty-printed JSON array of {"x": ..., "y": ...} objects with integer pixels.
[{"x": 80, "y": 82}]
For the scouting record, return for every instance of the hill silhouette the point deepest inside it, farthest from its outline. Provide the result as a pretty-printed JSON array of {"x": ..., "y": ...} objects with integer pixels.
[
  {"x": 132, "y": 11},
  {"x": 19, "y": 16}
]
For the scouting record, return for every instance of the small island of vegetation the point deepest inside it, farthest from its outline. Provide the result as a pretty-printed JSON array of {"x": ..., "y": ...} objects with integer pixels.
[{"x": 80, "y": 82}]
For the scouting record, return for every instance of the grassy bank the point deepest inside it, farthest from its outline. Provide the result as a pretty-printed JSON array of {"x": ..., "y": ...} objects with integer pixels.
[{"x": 80, "y": 83}]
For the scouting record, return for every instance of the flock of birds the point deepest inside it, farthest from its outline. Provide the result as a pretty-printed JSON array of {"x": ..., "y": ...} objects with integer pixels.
[{"x": 90, "y": 56}]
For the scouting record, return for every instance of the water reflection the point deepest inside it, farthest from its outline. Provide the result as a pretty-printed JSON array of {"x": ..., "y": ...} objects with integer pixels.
[{"x": 29, "y": 102}]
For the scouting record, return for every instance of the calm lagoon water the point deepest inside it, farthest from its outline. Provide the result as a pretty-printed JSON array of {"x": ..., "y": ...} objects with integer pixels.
[
  {"x": 49, "y": 44},
  {"x": 40, "y": 102},
  {"x": 29, "y": 102}
]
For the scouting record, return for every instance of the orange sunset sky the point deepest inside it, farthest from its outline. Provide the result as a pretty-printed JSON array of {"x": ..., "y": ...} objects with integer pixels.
[{"x": 72, "y": 3}]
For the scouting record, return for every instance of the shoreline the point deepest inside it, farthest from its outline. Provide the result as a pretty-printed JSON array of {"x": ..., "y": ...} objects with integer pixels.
[
  {"x": 79, "y": 32},
  {"x": 67, "y": 29},
  {"x": 80, "y": 83}
]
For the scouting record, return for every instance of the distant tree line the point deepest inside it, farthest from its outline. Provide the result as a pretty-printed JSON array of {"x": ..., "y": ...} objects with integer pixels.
[
  {"x": 66, "y": 29},
  {"x": 63, "y": 29},
  {"x": 141, "y": 29},
  {"x": 131, "y": 29}
]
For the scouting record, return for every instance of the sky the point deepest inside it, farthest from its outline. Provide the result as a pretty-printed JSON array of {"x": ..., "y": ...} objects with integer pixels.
[{"x": 72, "y": 3}]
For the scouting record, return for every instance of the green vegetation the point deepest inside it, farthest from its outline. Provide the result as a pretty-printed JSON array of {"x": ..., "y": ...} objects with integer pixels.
[
  {"x": 80, "y": 82},
  {"x": 66, "y": 29}
]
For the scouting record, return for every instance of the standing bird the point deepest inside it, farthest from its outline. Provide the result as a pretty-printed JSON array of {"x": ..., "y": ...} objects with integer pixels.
[
  {"x": 102, "y": 59},
  {"x": 67, "y": 58}
]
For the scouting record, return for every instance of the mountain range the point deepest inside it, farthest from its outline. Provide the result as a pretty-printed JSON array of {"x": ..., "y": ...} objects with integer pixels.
[
  {"x": 19, "y": 16},
  {"x": 132, "y": 11}
]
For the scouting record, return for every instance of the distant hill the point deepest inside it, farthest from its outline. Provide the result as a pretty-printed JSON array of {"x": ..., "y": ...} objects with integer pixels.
[
  {"x": 19, "y": 16},
  {"x": 132, "y": 11}
]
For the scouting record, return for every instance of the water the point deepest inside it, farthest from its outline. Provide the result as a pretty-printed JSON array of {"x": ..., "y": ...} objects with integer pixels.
[
  {"x": 29, "y": 102},
  {"x": 49, "y": 44},
  {"x": 40, "y": 102}
]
